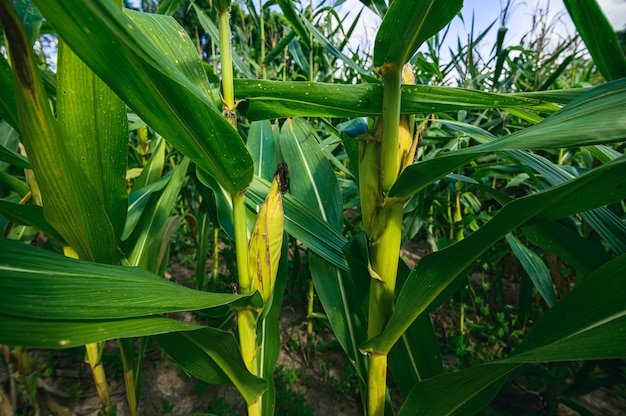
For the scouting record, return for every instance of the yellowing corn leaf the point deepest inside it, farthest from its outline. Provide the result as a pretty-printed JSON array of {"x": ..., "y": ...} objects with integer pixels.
[{"x": 267, "y": 239}]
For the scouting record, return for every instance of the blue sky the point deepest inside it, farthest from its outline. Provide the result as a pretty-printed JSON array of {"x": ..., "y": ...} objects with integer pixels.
[{"x": 486, "y": 11}]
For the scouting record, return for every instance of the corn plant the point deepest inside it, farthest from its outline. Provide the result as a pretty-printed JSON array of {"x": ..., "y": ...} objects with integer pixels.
[{"x": 377, "y": 308}]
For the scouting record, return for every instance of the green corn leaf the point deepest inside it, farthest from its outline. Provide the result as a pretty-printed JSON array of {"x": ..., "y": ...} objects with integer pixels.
[
  {"x": 406, "y": 25},
  {"x": 8, "y": 106},
  {"x": 295, "y": 21},
  {"x": 536, "y": 269},
  {"x": 13, "y": 183},
  {"x": 28, "y": 215},
  {"x": 168, "y": 7},
  {"x": 43, "y": 285},
  {"x": 71, "y": 205},
  {"x": 555, "y": 96},
  {"x": 434, "y": 274},
  {"x": 137, "y": 202},
  {"x": 279, "y": 48},
  {"x": 461, "y": 393},
  {"x": 583, "y": 254},
  {"x": 319, "y": 36},
  {"x": 595, "y": 117},
  {"x": 572, "y": 330},
  {"x": 212, "y": 356},
  {"x": 93, "y": 124},
  {"x": 150, "y": 236},
  {"x": 263, "y": 147},
  {"x": 295, "y": 49},
  {"x": 208, "y": 353},
  {"x": 599, "y": 37},
  {"x": 148, "y": 182},
  {"x": 31, "y": 19},
  {"x": 150, "y": 83},
  {"x": 274, "y": 99},
  {"x": 223, "y": 201},
  {"x": 313, "y": 182},
  {"x": 586, "y": 324},
  {"x": 151, "y": 172},
  {"x": 377, "y": 6},
  {"x": 67, "y": 333},
  {"x": 9, "y": 139}
]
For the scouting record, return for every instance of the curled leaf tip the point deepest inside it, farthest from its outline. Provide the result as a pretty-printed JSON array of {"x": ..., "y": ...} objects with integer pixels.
[{"x": 282, "y": 175}]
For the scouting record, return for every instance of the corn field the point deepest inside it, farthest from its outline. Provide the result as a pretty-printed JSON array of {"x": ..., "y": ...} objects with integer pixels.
[{"x": 261, "y": 127}]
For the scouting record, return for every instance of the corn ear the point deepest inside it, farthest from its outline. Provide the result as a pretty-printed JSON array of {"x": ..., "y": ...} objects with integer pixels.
[
  {"x": 267, "y": 239},
  {"x": 369, "y": 175},
  {"x": 406, "y": 136}
]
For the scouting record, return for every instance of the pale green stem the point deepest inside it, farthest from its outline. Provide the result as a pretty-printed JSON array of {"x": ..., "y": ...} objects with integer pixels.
[
  {"x": 226, "y": 60},
  {"x": 129, "y": 382},
  {"x": 311, "y": 75},
  {"x": 93, "y": 356},
  {"x": 262, "y": 24},
  {"x": 241, "y": 241},
  {"x": 384, "y": 247},
  {"x": 376, "y": 384},
  {"x": 216, "y": 254}
]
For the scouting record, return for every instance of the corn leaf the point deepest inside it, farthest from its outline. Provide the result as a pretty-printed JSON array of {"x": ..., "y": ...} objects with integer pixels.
[
  {"x": 71, "y": 205},
  {"x": 144, "y": 247},
  {"x": 9, "y": 138},
  {"x": 583, "y": 254},
  {"x": 150, "y": 83},
  {"x": 313, "y": 182},
  {"x": 137, "y": 202},
  {"x": 595, "y": 117},
  {"x": 67, "y": 333},
  {"x": 407, "y": 24},
  {"x": 43, "y": 285},
  {"x": 294, "y": 20},
  {"x": 573, "y": 330},
  {"x": 377, "y": 6},
  {"x": 535, "y": 268},
  {"x": 433, "y": 274},
  {"x": 460, "y": 393},
  {"x": 212, "y": 356},
  {"x": 274, "y": 99},
  {"x": 8, "y": 106},
  {"x": 599, "y": 37},
  {"x": 93, "y": 124},
  {"x": 263, "y": 147},
  {"x": 208, "y": 353},
  {"x": 28, "y": 215},
  {"x": 332, "y": 49}
]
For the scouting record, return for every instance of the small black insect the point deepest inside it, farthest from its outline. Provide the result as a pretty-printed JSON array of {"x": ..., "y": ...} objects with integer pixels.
[{"x": 282, "y": 171}]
